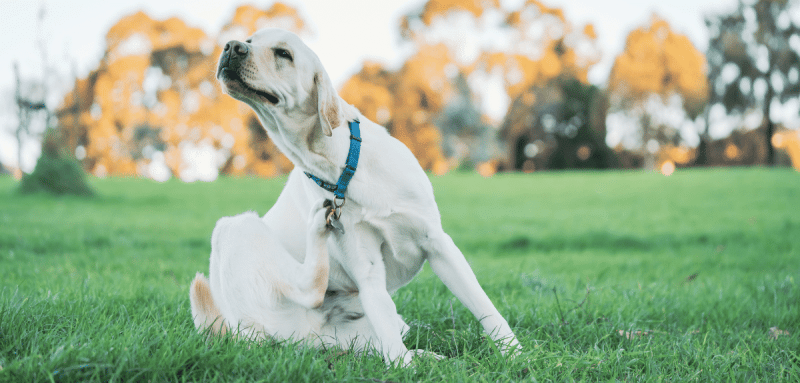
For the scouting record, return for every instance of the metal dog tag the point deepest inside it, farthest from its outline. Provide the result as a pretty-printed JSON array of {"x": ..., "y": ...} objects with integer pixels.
[{"x": 334, "y": 223}]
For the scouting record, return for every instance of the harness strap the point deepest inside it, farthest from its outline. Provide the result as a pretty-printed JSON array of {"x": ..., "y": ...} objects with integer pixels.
[{"x": 340, "y": 186}]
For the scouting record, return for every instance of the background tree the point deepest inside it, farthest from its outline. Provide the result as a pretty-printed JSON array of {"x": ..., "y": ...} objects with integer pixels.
[
  {"x": 34, "y": 115},
  {"x": 658, "y": 69},
  {"x": 153, "y": 106},
  {"x": 56, "y": 170},
  {"x": 461, "y": 73},
  {"x": 466, "y": 135},
  {"x": 558, "y": 125},
  {"x": 29, "y": 100},
  {"x": 515, "y": 48},
  {"x": 405, "y": 102},
  {"x": 754, "y": 63}
]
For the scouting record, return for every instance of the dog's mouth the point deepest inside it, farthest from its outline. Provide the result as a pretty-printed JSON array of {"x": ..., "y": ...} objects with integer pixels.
[{"x": 230, "y": 76}]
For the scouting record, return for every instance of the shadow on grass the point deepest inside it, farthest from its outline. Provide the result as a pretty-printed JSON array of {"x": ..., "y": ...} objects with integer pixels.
[{"x": 609, "y": 241}]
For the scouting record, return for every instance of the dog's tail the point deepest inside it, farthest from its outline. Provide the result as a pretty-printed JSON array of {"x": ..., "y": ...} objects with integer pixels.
[{"x": 204, "y": 311}]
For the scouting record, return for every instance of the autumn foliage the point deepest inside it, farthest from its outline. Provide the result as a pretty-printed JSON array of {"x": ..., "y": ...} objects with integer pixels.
[
  {"x": 790, "y": 142},
  {"x": 659, "y": 61},
  {"x": 542, "y": 45},
  {"x": 658, "y": 69},
  {"x": 152, "y": 107},
  {"x": 405, "y": 102},
  {"x": 154, "y": 98}
]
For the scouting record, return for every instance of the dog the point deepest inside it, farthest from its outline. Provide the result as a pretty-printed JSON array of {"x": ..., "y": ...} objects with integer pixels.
[{"x": 390, "y": 224}]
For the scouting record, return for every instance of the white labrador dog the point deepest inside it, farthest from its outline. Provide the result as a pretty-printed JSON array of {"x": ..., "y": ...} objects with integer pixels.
[{"x": 390, "y": 221}]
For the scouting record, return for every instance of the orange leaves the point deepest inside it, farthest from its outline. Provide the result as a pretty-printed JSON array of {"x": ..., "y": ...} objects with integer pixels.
[
  {"x": 405, "y": 101},
  {"x": 247, "y": 19},
  {"x": 790, "y": 142},
  {"x": 589, "y": 31},
  {"x": 490, "y": 49},
  {"x": 434, "y": 8},
  {"x": 659, "y": 61},
  {"x": 154, "y": 98},
  {"x": 424, "y": 77},
  {"x": 139, "y": 34},
  {"x": 550, "y": 64},
  {"x": 533, "y": 9},
  {"x": 545, "y": 46},
  {"x": 658, "y": 71},
  {"x": 369, "y": 94}
]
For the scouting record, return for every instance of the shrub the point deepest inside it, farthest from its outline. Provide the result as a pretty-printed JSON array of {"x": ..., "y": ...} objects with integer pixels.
[{"x": 56, "y": 172}]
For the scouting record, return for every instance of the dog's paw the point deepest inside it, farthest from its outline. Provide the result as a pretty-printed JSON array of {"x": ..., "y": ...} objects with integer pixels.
[
  {"x": 318, "y": 216},
  {"x": 509, "y": 347},
  {"x": 320, "y": 206},
  {"x": 425, "y": 354}
]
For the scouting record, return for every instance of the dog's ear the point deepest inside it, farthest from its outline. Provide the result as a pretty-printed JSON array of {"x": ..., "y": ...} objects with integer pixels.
[{"x": 327, "y": 103}]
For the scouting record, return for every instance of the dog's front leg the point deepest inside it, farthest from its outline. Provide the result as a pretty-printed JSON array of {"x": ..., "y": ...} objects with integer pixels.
[
  {"x": 452, "y": 268},
  {"x": 311, "y": 279},
  {"x": 362, "y": 259}
]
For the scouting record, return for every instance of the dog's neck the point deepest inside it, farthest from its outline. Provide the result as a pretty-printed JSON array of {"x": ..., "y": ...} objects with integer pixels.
[{"x": 300, "y": 139}]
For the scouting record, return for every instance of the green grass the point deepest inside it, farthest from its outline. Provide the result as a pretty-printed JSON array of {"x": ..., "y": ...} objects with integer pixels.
[{"x": 697, "y": 266}]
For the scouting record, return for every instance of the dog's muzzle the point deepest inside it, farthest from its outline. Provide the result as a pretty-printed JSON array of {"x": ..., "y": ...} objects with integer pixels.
[{"x": 233, "y": 59}]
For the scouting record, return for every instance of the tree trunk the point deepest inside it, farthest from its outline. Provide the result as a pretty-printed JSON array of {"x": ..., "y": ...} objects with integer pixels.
[
  {"x": 702, "y": 152},
  {"x": 705, "y": 138},
  {"x": 647, "y": 135},
  {"x": 769, "y": 130},
  {"x": 18, "y": 135},
  {"x": 22, "y": 123}
]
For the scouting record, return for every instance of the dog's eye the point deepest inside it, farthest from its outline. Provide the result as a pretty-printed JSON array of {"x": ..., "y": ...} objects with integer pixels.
[
  {"x": 249, "y": 41},
  {"x": 282, "y": 53}
]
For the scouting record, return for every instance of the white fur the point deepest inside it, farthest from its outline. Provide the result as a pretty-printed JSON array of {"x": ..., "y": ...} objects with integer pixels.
[
  {"x": 259, "y": 290},
  {"x": 391, "y": 221}
]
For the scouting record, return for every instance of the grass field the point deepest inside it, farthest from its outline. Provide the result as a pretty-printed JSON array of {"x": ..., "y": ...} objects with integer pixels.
[{"x": 627, "y": 276}]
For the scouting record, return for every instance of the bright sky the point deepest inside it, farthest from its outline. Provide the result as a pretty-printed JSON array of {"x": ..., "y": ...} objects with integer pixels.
[{"x": 346, "y": 32}]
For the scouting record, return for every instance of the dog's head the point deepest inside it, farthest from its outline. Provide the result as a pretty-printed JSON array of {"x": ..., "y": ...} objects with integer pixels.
[{"x": 275, "y": 73}]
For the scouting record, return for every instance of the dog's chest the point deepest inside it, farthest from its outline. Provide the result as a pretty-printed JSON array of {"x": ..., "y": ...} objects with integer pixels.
[{"x": 399, "y": 238}]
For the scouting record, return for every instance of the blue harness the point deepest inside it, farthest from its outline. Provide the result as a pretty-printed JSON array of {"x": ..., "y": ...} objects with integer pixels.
[{"x": 340, "y": 186}]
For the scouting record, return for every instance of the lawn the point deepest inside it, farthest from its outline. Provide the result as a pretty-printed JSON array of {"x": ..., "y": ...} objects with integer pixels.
[{"x": 628, "y": 276}]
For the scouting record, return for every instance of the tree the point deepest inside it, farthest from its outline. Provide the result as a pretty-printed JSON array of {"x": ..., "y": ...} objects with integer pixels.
[
  {"x": 467, "y": 137},
  {"x": 754, "y": 61},
  {"x": 56, "y": 171},
  {"x": 153, "y": 103},
  {"x": 460, "y": 74},
  {"x": 28, "y": 104},
  {"x": 557, "y": 125},
  {"x": 521, "y": 47},
  {"x": 658, "y": 69},
  {"x": 405, "y": 102},
  {"x": 30, "y": 96}
]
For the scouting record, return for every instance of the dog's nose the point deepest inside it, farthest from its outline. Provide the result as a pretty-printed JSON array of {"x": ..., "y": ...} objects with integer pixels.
[
  {"x": 236, "y": 48},
  {"x": 233, "y": 55}
]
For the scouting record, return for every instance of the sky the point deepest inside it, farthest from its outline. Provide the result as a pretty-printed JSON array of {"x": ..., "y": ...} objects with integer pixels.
[{"x": 345, "y": 34}]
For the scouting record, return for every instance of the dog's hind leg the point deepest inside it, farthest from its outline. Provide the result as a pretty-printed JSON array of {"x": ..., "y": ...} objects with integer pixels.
[
  {"x": 452, "y": 268},
  {"x": 204, "y": 310}
]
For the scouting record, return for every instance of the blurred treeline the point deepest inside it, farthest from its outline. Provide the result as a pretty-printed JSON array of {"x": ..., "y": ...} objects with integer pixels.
[{"x": 486, "y": 87}]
